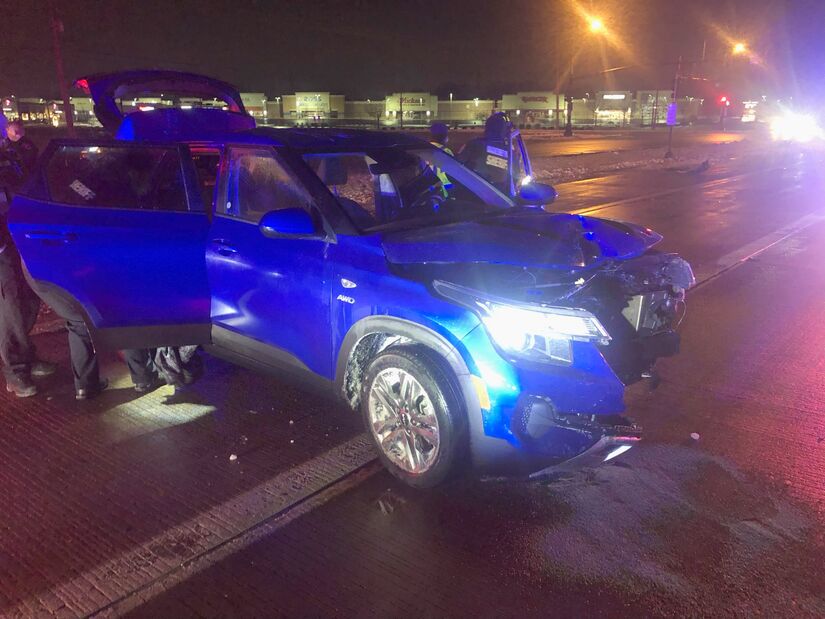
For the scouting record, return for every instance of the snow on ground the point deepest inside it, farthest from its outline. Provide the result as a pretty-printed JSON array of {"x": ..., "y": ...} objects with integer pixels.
[{"x": 561, "y": 169}]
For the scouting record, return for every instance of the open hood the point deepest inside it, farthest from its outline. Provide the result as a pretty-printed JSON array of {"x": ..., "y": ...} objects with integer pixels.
[
  {"x": 107, "y": 89},
  {"x": 524, "y": 238}
]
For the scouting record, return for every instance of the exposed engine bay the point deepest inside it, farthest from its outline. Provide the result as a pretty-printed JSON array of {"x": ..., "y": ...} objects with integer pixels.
[{"x": 640, "y": 302}]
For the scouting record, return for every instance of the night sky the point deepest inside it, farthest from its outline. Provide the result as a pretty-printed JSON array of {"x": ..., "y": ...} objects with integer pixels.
[{"x": 366, "y": 48}]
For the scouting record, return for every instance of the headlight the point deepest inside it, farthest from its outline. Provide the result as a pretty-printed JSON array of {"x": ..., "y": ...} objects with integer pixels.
[
  {"x": 791, "y": 126},
  {"x": 526, "y": 330}
]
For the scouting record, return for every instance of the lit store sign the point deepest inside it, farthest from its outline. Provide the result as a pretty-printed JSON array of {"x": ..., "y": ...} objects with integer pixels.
[
  {"x": 316, "y": 102},
  {"x": 614, "y": 97}
]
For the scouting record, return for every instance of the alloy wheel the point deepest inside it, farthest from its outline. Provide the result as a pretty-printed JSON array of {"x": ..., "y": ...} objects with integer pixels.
[{"x": 403, "y": 420}]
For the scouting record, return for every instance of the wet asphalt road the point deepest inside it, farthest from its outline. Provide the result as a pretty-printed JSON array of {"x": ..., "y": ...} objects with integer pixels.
[
  {"x": 582, "y": 144},
  {"x": 551, "y": 143},
  {"x": 145, "y": 513}
]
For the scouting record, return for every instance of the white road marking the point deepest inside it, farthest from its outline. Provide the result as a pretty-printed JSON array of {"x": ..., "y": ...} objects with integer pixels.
[
  {"x": 161, "y": 556},
  {"x": 754, "y": 248}
]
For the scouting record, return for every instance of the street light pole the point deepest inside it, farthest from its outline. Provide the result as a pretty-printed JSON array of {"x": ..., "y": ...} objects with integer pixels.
[
  {"x": 568, "y": 100},
  {"x": 596, "y": 27},
  {"x": 671, "y": 122}
]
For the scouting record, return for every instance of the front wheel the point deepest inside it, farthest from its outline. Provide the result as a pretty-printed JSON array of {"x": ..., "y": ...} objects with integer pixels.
[{"x": 413, "y": 415}]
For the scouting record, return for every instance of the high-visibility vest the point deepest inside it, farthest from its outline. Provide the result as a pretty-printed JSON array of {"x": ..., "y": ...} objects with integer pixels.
[{"x": 445, "y": 180}]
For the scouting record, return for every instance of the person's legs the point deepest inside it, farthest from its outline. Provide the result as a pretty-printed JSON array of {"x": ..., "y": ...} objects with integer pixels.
[
  {"x": 141, "y": 367},
  {"x": 16, "y": 350},
  {"x": 85, "y": 369}
]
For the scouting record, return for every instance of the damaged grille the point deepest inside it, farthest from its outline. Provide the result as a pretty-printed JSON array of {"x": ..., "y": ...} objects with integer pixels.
[{"x": 640, "y": 302}]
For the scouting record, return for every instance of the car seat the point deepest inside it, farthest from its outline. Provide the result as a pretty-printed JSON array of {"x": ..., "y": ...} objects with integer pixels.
[{"x": 333, "y": 172}]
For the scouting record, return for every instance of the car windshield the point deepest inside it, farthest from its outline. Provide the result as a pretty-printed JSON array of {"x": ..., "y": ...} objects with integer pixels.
[{"x": 397, "y": 187}]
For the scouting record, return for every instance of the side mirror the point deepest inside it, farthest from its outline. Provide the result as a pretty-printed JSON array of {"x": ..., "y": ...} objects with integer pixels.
[
  {"x": 287, "y": 222},
  {"x": 537, "y": 194}
]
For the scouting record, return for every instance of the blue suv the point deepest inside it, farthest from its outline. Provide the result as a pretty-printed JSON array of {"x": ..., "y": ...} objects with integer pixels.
[{"x": 470, "y": 328}]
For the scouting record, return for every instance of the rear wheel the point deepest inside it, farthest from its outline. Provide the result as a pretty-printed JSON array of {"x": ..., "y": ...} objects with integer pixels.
[{"x": 410, "y": 408}]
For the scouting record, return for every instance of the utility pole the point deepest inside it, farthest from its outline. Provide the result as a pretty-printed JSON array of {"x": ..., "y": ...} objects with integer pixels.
[
  {"x": 671, "y": 122},
  {"x": 401, "y": 107},
  {"x": 568, "y": 127},
  {"x": 57, "y": 29}
]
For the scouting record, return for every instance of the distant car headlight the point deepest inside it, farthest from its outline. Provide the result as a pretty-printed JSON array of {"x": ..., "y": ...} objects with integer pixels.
[
  {"x": 795, "y": 127},
  {"x": 529, "y": 331}
]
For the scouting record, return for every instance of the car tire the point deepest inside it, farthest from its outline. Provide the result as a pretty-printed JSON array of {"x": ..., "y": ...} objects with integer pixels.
[{"x": 413, "y": 415}]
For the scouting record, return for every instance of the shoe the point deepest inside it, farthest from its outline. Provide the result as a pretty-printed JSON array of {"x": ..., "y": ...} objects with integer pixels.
[
  {"x": 87, "y": 393},
  {"x": 43, "y": 368},
  {"x": 21, "y": 387},
  {"x": 153, "y": 384}
]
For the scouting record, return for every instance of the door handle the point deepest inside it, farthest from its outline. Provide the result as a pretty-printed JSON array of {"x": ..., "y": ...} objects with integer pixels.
[
  {"x": 223, "y": 248},
  {"x": 43, "y": 235}
]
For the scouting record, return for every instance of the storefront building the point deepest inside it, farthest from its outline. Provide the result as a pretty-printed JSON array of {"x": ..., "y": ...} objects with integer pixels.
[
  {"x": 466, "y": 112},
  {"x": 651, "y": 106},
  {"x": 29, "y": 110},
  {"x": 535, "y": 108},
  {"x": 255, "y": 104},
  {"x": 371, "y": 110},
  {"x": 613, "y": 108},
  {"x": 313, "y": 106},
  {"x": 413, "y": 107}
]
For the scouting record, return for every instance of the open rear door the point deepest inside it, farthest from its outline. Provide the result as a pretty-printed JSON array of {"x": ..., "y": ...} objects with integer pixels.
[{"x": 118, "y": 230}]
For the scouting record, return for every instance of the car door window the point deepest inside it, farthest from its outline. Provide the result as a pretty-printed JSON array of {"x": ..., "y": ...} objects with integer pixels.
[
  {"x": 259, "y": 182},
  {"x": 348, "y": 177},
  {"x": 126, "y": 177}
]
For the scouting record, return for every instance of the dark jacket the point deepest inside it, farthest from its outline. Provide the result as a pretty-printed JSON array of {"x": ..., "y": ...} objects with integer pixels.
[{"x": 17, "y": 160}]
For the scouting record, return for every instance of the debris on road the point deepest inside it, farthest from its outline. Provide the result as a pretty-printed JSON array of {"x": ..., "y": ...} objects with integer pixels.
[
  {"x": 233, "y": 457},
  {"x": 694, "y": 436}
]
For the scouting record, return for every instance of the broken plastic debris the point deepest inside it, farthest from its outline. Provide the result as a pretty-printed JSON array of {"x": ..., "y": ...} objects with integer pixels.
[
  {"x": 694, "y": 436},
  {"x": 232, "y": 457},
  {"x": 291, "y": 422},
  {"x": 292, "y": 440}
]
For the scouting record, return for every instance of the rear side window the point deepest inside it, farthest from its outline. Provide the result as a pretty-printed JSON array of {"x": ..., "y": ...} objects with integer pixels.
[{"x": 127, "y": 177}]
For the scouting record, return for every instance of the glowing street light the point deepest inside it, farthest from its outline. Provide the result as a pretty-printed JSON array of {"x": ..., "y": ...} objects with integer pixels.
[
  {"x": 596, "y": 24},
  {"x": 739, "y": 49}
]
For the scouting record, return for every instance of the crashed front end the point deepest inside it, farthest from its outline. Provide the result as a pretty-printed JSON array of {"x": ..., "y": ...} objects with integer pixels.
[{"x": 563, "y": 405}]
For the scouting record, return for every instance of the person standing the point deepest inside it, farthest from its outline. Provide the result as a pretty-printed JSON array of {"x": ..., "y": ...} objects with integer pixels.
[
  {"x": 18, "y": 155},
  {"x": 18, "y": 314},
  {"x": 83, "y": 356},
  {"x": 21, "y": 147}
]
